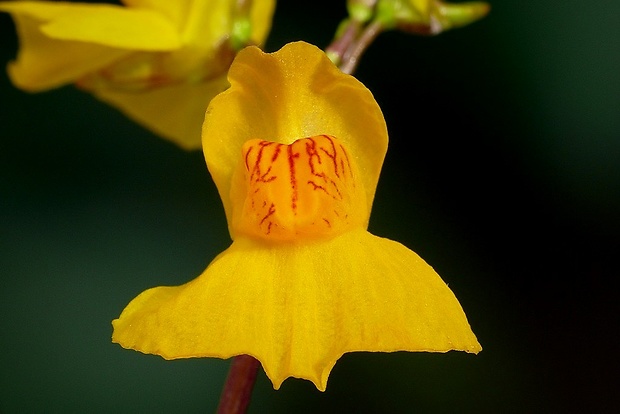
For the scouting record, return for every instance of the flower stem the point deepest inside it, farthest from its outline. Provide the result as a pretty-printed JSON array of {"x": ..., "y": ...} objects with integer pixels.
[
  {"x": 352, "y": 56},
  {"x": 355, "y": 34},
  {"x": 237, "y": 390},
  {"x": 337, "y": 49}
]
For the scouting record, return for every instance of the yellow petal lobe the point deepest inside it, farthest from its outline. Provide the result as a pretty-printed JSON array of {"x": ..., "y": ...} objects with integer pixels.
[
  {"x": 298, "y": 307},
  {"x": 43, "y": 63},
  {"x": 107, "y": 25},
  {"x": 174, "y": 112},
  {"x": 296, "y": 192},
  {"x": 152, "y": 59}
]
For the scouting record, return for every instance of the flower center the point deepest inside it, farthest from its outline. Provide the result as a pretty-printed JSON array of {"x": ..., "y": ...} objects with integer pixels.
[{"x": 303, "y": 190}]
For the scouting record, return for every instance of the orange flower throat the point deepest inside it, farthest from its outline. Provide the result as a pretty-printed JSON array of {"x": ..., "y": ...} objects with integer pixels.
[{"x": 306, "y": 189}]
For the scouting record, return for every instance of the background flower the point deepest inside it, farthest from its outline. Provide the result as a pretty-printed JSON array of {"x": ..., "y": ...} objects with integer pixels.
[{"x": 159, "y": 62}]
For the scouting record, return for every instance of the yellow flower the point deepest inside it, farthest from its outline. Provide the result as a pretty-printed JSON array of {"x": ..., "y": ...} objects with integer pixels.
[
  {"x": 158, "y": 61},
  {"x": 295, "y": 148}
]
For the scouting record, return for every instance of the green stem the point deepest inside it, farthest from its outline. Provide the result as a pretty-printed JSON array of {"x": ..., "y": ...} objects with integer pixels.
[{"x": 237, "y": 390}]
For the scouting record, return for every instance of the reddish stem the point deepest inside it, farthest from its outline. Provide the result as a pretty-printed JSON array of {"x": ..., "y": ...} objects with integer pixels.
[
  {"x": 356, "y": 49},
  {"x": 237, "y": 390},
  {"x": 340, "y": 45}
]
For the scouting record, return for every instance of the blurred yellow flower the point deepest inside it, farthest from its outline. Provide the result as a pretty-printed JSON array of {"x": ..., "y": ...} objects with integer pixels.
[
  {"x": 295, "y": 148},
  {"x": 158, "y": 61}
]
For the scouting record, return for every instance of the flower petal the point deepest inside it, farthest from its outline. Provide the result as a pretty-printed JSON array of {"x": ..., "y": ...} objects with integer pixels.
[
  {"x": 107, "y": 25},
  {"x": 298, "y": 307},
  {"x": 203, "y": 22},
  {"x": 175, "y": 11},
  {"x": 43, "y": 63},
  {"x": 294, "y": 93},
  {"x": 61, "y": 42},
  {"x": 261, "y": 17},
  {"x": 173, "y": 112}
]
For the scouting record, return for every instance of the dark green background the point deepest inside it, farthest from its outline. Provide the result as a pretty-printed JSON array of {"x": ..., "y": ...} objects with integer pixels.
[{"x": 502, "y": 173}]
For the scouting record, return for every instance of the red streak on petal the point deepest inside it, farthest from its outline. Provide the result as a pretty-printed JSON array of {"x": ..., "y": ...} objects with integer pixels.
[
  {"x": 247, "y": 156},
  {"x": 257, "y": 174},
  {"x": 333, "y": 155},
  {"x": 346, "y": 157},
  {"x": 272, "y": 210},
  {"x": 291, "y": 166},
  {"x": 276, "y": 153},
  {"x": 316, "y": 186}
]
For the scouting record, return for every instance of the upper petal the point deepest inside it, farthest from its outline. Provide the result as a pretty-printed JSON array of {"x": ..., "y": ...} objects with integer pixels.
[
  {"x": 294, "y": 93},
  {"x": 298, "y": 308},
  {"x": 43, "y": 63},
  {"x": 107, "y": 25},
  {"x": 210, "y": 21},
  {"x": 175, "y": 11},
  {"x": 261, "y": 16},
  {"x": 204, "y": 24},
  {"x": 62, "y": 42}
]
